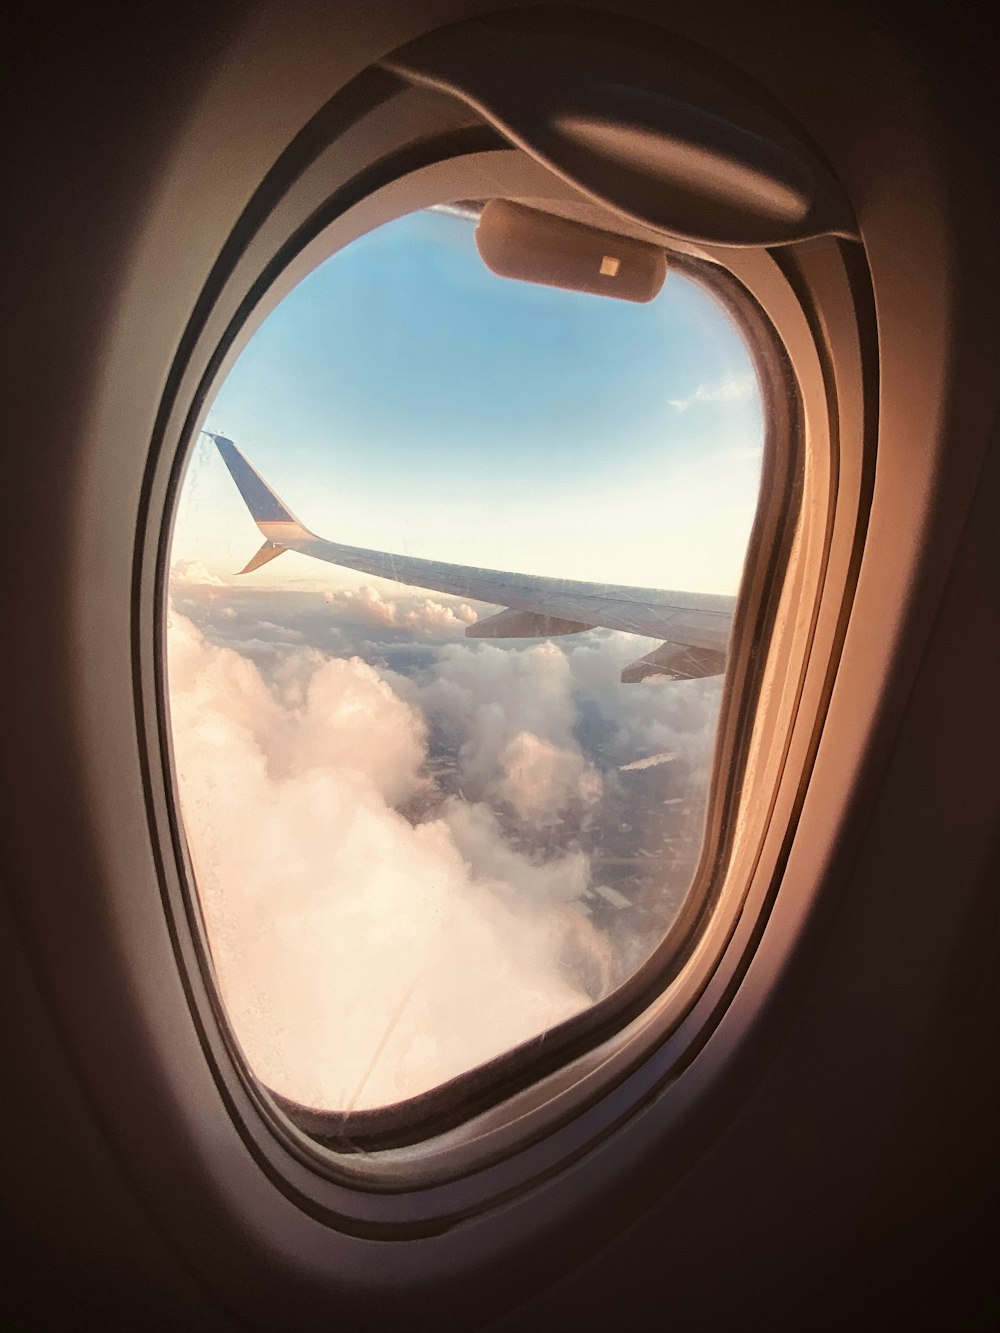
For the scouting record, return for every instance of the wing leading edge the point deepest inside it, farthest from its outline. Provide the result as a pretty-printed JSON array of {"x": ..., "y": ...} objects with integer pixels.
[{"x": 694, "y": 626}]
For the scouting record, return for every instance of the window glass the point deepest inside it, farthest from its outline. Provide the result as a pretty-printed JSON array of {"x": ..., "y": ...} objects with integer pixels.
[{"x": 418, "y": 843}]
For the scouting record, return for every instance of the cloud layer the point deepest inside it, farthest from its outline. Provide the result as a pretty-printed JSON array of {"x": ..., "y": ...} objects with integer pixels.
[
  {"x": 419, "y": 615},
  {"x": 361, "y": 958},
  {"x": 403, "y": 862}
]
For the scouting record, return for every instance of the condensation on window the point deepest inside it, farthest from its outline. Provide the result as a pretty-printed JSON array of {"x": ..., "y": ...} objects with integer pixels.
[{"x": 416, "y": 843}]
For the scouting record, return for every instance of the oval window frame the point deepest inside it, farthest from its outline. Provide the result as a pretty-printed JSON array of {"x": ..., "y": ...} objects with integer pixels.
[{"x": 430, "y": 1180}]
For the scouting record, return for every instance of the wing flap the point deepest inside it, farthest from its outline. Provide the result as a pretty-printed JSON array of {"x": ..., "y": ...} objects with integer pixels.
[
  {"x": 513, "y": 624},
  {"x": 676, "y": 661}
]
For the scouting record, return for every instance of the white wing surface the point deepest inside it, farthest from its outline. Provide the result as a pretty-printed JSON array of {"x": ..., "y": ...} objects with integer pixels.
[{"x": 694, "y": 626}]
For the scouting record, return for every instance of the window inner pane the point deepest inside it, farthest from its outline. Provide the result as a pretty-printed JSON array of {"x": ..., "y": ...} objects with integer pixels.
[{"x": 420, "y": 839}]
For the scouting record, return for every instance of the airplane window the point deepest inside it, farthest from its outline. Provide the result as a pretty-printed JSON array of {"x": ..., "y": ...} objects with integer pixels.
[{"x": 442, "y": 751}]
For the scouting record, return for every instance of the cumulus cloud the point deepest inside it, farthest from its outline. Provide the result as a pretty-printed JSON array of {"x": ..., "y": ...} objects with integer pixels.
[
  {"x": 658, "y": 716},
  {"x": 483, "y": 697},
  {"x": 419, "y": 615},
  {"x": 193, "y": 573},
  {"x": 416, "y": 852},
  {"x": 364, "y": 956},
  {"x": 728, "y": 390},
  {"x": 540, "y": 780}
]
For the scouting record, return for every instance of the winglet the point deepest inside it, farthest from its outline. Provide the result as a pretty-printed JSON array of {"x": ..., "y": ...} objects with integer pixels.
[
  {"x": 275, "y": 520},
  {"x": 269, "y": 551},
  {"x": 264, "y": 505}
]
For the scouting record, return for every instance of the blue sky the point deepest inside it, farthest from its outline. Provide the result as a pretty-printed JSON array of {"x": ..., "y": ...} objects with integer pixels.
[{"x": 405, "y": 398}]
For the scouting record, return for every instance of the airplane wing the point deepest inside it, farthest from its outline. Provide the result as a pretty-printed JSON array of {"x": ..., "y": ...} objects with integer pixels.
[{"x": 694, "y": 626}]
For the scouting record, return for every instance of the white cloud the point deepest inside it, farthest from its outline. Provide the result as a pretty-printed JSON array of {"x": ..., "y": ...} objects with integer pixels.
[
  {"x": 485, "y": 696},
  {"x": 193, "y": 572},
  {"x": 653, "y": 717},
  {"x": 728, "y": 390},
  {"x": 541, "y": 780},
  {"x": 419, "y": 615},
  {"x": 362, "y": 958},
  {"x": 390, "y": 865}
]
